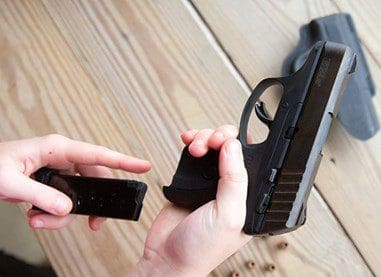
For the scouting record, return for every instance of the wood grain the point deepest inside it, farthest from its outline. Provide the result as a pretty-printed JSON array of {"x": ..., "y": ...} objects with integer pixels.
[
  {"x": 257, "y": 34},
  {"x": 131, "y": 75}
]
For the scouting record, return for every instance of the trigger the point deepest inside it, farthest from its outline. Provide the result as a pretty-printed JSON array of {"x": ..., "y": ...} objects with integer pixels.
[{"x": 262, "y": 113}]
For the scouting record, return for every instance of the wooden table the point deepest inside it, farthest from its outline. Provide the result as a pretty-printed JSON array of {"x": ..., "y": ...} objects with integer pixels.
[{"x": 132, "y": 75}]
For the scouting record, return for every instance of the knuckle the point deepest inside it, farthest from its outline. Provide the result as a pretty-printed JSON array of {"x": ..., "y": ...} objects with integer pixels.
[
  {"x": 100, "y": 152},
  {"x": 206, "y": 131},
  {"x": 234, "y": 177},
  {"x": 30, "y": 165},
  {"x": 54, "y": 139},
  {"x": 230, "y": 129},
  {"x": 102, "y": 148},
  {"x": 149, "y": 253}
]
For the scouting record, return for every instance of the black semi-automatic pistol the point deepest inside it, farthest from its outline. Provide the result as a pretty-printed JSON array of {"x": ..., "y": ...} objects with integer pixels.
[
  {"x": 105, "y": 197},
  {"x": 281, "y": 170}
]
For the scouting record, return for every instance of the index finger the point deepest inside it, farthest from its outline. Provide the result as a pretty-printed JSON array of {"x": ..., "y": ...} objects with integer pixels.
[{"x": 59, "y": 152}]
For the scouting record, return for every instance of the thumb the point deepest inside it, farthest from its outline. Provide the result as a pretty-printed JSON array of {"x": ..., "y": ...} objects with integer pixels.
[
  {"x": 40, "y": 195},
  {"x": 232, "y": 186}
]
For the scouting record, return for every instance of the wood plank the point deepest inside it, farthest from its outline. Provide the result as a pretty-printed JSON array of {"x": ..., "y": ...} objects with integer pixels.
[
  {"x": 257, "y": 35},
  {"x": 132, "y": 76}
]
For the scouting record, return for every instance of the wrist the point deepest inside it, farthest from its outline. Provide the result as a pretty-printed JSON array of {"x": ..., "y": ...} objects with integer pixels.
[{"x": 151, "y": 264}]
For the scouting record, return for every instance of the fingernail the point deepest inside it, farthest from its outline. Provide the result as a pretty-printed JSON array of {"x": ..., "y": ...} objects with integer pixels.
[
  {"x": 38, "y": 224},
  {"x": 29, "y": 213},
  {"x": 233, "y": 147},
  {"x": 61, "y": 205}
]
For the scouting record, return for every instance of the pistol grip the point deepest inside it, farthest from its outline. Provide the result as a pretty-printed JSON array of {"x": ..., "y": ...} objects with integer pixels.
[{"x": 195, "y": 181}]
